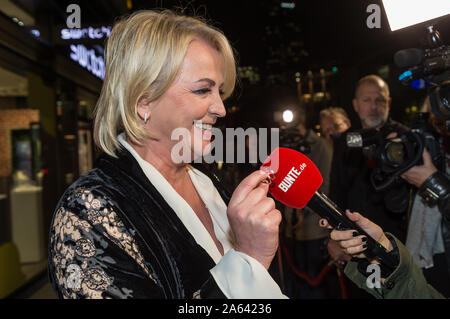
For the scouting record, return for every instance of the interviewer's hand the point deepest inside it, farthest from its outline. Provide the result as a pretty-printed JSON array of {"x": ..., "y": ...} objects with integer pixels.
[
  {"x": 254, "y": 219},
  {"x": 351, "y": 242},
  {"x": 416, "y": 175},
  {"x": 336, "y": 252}
]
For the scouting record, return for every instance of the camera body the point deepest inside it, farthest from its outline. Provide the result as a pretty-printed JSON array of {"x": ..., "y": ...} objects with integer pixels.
[
  {"x": 432, "y": 65},
  {"x": 291, "y": 138},
  {"x": 394, "y": 155}
]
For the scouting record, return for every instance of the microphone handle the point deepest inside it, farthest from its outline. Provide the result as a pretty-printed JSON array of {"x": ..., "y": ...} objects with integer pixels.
[{"x": 325, "y": 208}]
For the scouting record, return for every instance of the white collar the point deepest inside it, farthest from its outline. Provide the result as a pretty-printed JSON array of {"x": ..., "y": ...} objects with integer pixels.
[{"x": 208, "y": 194}]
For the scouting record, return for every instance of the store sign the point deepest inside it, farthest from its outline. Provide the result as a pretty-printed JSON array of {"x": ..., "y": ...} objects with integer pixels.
[
  {"x": 89, "y": 33},
  {"x": 88, "y": 59}
]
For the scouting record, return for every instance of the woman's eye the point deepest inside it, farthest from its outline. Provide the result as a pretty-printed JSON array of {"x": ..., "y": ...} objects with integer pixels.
[
  {"x": 202, "y": 91},
  {"x": 206, "y": 90}
]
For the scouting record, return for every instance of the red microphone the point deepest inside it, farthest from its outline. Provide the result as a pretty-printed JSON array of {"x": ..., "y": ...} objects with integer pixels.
[
  {"x": 288, "y": 167},
  {"x": 295, "y": 181}
]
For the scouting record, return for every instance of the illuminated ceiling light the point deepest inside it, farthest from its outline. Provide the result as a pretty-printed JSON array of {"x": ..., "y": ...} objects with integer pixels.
[
  {"x": 288, "y": 116},
  {"x": 401, "y": 15}
]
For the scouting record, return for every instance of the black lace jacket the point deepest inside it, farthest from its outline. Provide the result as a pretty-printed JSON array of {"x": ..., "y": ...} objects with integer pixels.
[{"x": 114, "y": 236}]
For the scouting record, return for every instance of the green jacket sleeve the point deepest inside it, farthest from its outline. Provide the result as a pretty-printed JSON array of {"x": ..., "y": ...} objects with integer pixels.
[{"x": 405, "y": 282}]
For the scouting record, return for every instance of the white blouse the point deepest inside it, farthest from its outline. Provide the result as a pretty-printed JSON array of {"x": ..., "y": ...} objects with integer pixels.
[{"x": 238, "y": 275}]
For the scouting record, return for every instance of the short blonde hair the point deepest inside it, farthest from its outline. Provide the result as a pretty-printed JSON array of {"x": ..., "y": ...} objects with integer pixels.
[{"x": 143, "y": 56}]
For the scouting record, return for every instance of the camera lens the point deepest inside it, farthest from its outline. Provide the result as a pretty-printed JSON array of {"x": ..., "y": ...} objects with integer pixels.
[{"x": 395, "y": 153}]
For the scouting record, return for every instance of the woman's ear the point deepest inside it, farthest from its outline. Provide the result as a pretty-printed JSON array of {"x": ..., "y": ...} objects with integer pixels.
[{"x": 144, "y": 107}]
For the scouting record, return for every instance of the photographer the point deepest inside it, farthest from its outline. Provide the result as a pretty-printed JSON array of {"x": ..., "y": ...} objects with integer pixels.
[
  {"x": 427, "y": 178},
  {"x": 428, "y": 239},
  {"x": 350, "y": 184},
  {"x": 425, "y": 236}
]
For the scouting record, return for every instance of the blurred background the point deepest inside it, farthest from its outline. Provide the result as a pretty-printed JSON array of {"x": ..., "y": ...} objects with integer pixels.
[{"x": 290, "y": 53}]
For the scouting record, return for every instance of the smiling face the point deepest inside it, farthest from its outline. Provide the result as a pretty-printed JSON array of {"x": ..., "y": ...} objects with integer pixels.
[
  {"x": 193, "y": 101},
  {"x": 372, "y": 105}
]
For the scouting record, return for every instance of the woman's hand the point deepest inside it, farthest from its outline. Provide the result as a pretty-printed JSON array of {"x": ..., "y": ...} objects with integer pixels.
[
  {"x": 336, "y": 252},
  {"x": 416, "y": 175},
  {"x": 254, "y": 219},
  {"x": 353, "y": 243}
]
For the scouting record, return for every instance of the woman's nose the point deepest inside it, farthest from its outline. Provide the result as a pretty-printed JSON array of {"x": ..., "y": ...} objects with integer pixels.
[{"x": 218, "y": 108}]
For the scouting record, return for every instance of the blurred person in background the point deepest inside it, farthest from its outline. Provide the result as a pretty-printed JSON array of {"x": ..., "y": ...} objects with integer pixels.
[
  {"x": 306, "y": 240},
  {"x": 333, "y": 121}
]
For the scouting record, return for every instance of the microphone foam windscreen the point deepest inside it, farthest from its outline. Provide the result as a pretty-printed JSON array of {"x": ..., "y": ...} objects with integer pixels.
[
  {"x": 408, "y": 57},
  {"x": 295, "y": 178}
]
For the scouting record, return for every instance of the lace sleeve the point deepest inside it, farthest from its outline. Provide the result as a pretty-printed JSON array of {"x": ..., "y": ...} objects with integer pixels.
[{"x": 93, "y": 255}]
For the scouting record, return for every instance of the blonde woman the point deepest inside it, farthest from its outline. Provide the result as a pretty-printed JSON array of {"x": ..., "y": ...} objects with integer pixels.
[{"x": 141, "y": 225}]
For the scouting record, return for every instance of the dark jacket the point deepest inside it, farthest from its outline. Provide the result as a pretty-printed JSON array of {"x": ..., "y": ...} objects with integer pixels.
[{"x": 114, "y": 236}]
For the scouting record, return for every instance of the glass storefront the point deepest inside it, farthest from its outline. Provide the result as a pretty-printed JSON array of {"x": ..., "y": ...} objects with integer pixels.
[
  {"x": 22, "y": 231},
  {"x": 46, "y": 143}
]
